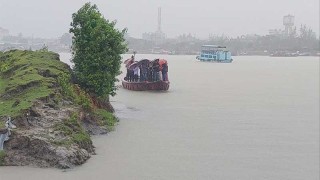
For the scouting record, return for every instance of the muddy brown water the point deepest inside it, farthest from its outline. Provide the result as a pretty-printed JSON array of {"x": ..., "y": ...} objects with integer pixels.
[{"x": 256, "y": 118}]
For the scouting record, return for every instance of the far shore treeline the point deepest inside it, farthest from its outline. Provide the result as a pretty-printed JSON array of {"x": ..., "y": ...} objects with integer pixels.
[{"x": 302, "y": 39}]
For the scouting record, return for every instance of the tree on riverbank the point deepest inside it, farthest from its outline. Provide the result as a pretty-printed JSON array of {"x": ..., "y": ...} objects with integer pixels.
[{"x": 97, "y": 47}]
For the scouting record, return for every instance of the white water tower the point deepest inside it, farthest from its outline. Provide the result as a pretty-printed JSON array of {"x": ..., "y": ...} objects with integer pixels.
[{"x": 288, "y": 22}]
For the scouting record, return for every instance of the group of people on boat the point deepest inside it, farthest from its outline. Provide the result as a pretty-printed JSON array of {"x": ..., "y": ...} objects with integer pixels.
[{"x": 146, "y": 70}]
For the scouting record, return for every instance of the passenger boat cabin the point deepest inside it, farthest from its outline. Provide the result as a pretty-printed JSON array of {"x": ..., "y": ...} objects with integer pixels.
[{"x": 214, "y": 53}]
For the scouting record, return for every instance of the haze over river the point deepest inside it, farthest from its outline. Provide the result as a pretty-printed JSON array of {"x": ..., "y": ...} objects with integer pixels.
[{"x": 256, "y": 118}]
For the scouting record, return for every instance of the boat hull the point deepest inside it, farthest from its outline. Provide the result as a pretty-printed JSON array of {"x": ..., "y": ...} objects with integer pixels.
[{"x": 145, "y": 86}]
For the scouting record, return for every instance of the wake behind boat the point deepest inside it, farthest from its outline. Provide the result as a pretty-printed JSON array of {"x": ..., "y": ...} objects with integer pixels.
[{"x": 146, "y": 75}]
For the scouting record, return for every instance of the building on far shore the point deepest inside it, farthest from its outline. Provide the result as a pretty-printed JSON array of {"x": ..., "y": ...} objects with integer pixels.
[
  {"x": 288, "y": 22},
  {"x": 3, "y": 32}
]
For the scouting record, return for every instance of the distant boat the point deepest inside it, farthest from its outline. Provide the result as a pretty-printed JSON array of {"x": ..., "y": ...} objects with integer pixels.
[{"x": 214, "y": 53}]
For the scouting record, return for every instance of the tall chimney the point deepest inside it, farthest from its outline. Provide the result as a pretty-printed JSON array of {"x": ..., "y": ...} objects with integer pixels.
[{"x": 159, "y": 19}]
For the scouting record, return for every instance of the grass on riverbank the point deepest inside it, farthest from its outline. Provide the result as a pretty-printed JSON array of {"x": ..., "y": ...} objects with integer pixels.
[
  {"x": 72, "y": 128},
  {"x": 26, "y": 76},
  {"x": 106, "y": 119}
]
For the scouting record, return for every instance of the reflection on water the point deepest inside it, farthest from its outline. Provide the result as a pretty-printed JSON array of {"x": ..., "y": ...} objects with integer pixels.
[{"x": 256, "y": 118}]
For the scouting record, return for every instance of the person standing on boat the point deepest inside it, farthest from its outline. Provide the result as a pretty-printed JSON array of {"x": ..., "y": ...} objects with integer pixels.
[
  {"x": 144, "y": 71},
  {"x": 162, "y": 63},
  {"x": 128, "y": 62},
  {"x": 150, "y": 71},
  {"x": 156, "y": 69},
  {"x": 160, "y": 73},
  {"x": 165, "y": 72},
  {"x": 136, "y": 72}
]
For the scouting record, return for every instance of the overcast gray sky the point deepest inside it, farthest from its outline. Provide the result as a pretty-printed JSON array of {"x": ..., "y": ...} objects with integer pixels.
[{"x": 51, "y": 18}]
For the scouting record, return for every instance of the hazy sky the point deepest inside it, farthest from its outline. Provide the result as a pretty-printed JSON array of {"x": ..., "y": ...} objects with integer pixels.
[{"x": 51, "y": 18}]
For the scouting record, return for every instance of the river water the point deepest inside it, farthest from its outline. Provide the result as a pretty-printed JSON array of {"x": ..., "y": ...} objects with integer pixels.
[{"x": 256, "y": 118}]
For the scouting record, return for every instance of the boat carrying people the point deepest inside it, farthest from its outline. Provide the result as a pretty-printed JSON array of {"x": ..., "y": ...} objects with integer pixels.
[
  {"x": 214, "y": 53},
  {"x": 146, "y": 74}
]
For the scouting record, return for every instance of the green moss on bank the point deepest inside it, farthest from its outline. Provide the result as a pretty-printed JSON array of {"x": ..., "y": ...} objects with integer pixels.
[
  {"x": 2, "y": 85},
  {"x": 30, "y": 76},
  {"x": 37, "y": 84},
  {"x": 26, "y": 76}
]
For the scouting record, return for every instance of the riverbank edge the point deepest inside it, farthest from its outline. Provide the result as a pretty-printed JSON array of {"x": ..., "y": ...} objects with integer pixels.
[{"x": 54, "y": 116}]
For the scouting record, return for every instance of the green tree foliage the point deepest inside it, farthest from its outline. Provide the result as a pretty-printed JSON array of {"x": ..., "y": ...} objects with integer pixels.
[{"x": 97, "y": 47}]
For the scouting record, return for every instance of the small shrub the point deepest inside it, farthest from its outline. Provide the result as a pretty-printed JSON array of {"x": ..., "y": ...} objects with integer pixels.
[
  {"x": 68, "y": 127},
  {"x": 81, "y": 138},
  {"x": 106, "y": 118},
  {"x": 83, "y": 100},
  {"x": 74, "y": 92},
  {"x": 71, "y": 127},
  {"x": 67, "y": 88}
]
